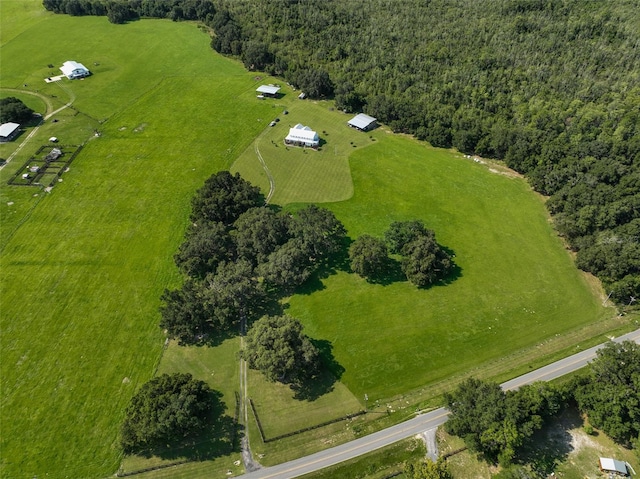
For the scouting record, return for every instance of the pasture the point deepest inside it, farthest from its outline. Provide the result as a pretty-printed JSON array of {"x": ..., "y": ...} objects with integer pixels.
[{"x": 84, "y": 266}]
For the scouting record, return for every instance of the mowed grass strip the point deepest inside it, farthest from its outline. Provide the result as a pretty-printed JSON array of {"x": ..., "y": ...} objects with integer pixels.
[
  {"x": 303, "y": 175},
  {"x": 83, "y": 275},
  {"x": 517, "y": 286}
]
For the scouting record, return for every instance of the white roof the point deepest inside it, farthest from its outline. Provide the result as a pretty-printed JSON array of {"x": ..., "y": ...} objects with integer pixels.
[
  {"x": 608, "y": 464},
  {"x": 302, "y": 133},
  {"x": 7, "y": 128},
  {"x": 70, "y": 66},
  {"x": 361, "y": 121},
  {"x": 268, "y": 89}
]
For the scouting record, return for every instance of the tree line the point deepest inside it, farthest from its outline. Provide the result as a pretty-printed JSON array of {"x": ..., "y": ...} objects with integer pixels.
[
  {"x": 551, "y": 88},
  {"x": 499, "y": 425}
]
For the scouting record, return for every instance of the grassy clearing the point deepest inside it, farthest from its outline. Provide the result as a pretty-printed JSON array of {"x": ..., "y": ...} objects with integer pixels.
[
  {"x": 377, "y": 465},
  {"x": 302, "y": 174},
  {"x": 82, "y": 276},
  {"x": 517, "y": 286}
]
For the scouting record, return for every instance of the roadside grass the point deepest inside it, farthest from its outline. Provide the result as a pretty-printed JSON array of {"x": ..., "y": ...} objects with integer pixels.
[
  {"x": 82, "y": 277},
  {"x": 381, "y": 464},
  {"x": 304, "y": 175},
  {"x": 280, "y": 412}
]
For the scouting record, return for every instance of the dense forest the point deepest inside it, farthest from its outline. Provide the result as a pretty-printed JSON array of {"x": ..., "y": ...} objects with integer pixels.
[{"x": 550, "y": 87}]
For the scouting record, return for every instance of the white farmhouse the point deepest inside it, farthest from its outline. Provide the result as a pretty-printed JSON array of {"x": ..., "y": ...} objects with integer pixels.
[
  {"x": 73, "y": 69},
  {"x": 301, "y": 135}
]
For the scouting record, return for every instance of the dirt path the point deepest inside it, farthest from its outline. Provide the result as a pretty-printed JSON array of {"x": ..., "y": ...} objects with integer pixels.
[
  {"x": 429, "y": 438},
  {"x": 272, "y": 181},
  {"x": 250, "y": 464},
  {"x": 48, "y": 114}
]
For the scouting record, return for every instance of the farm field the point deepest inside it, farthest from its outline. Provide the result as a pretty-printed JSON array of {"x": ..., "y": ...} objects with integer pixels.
[{"x": 83, "y": 267}]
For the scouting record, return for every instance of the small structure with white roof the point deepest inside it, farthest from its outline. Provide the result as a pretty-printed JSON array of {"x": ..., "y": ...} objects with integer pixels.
[
  {"x": 363, "y": 122},
  {"x": 301, "y": 135},
  {"x": 8, "y": 131},
  {"x": 613, "y": 466},
  {"x": 268, "y": 90},
  {"x": 73, "y": 70}
]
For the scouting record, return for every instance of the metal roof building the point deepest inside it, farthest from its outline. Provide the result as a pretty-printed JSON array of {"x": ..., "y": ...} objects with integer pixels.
[
  {"x": 8, "y": 131},
  {"x": 363, "y": 122},
  {"x": 301, "y": 135},
  {"x": 268, "y": 90},
  {"x": 73, "y": 69},
  {"x": 611, "y": 465}
]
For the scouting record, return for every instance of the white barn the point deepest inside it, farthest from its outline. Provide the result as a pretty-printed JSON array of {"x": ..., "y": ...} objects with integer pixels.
[
  {"x": 73, "y": 69},
  {"x": 301, "y": 135},
  {"x": 363, "y": 122},
  {"x": 8, "y": 131}
]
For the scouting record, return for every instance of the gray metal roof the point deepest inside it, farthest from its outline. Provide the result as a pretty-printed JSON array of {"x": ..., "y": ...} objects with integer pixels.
[
  {"x": 268, "y": 89},
  {"x": 362, "y": 121},
  {"x": 6, "y": 129}
]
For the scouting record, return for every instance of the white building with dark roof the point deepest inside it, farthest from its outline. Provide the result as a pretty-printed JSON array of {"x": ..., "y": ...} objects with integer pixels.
[
  {"x": 72, "y": 69},
  {"x": 8, "y": 131},
  {"x": 363, "y": 122},
  {"x": 301, "y": 135}
]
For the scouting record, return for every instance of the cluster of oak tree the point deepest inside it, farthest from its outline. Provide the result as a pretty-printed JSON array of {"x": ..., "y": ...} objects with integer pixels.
[
  {"x": 549, "y": 87},
  {"x": 424, "y": 261}
]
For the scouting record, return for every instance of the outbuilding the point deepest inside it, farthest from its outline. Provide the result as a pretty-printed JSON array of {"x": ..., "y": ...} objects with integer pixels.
[
  {"x": 270, "y": 91},
  {"x": 73, "y": 70},
  {"x": 301, "y": 135},
  {"x": 363, "y": 122},
  {"x": 8, "y": 131},
  {"x": 613, "y": 466}
]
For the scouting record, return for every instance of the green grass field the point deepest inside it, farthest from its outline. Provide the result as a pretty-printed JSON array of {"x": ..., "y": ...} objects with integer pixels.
[{"x": 83, "y": 267}]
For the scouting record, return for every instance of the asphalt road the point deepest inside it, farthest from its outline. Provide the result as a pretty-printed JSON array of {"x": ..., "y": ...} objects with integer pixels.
[{"x": 419, "y": 424}]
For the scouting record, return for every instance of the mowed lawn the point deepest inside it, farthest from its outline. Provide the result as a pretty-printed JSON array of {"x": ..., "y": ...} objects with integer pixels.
[
  {"x": 517, "y": 284},
  {"x": 82, "y": 275}
]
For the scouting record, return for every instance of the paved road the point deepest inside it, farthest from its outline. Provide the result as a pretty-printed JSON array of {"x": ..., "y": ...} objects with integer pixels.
[{"x": 419, "y": 424}]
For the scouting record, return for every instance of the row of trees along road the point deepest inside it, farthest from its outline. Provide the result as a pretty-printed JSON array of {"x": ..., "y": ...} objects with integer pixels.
[{"x": 499, "y": 425}]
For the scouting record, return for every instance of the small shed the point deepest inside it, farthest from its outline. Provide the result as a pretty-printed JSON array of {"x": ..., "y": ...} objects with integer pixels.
[
  {"x": 363, "y": 122},
  {"x": 613, "y": 466},
  {"x": 268, "y": 90},
  {"x": 301, "y": 135},
  {"x": 8, "y": 131},
  {"x": 72, "y": 70}
]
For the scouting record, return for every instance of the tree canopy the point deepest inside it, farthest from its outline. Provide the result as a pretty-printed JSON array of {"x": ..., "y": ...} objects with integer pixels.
[
  {"x": 496, "y": 423},
  {"x": 168, "y": 409},
  {"x": 276, "y": 346},
  {"x": 369, "y": 257},
  {"x": 427, "y": 470},
  {"x": 610, "y": 393},
  {"x": 13, "y": 110},
  {"x": 223, "y": 198}
]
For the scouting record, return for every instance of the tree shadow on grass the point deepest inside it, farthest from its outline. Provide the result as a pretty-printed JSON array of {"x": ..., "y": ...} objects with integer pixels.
[
  {"x": 552, "y": 444},
  {"x": 322, "y": 383},
  {"x": 220, "y": 437}
]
